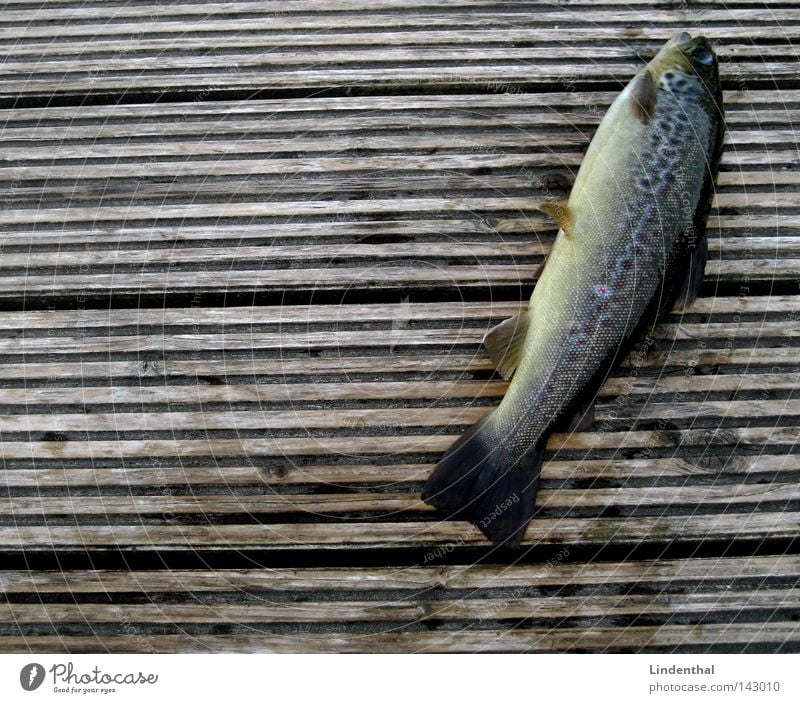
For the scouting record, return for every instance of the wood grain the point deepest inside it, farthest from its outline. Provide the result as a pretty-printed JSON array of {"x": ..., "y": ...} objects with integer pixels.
[
  {"x": 744, "y": 527},
  {"x": 248, "y": 254},
  {"x": 699, "y": 637},
  {"x": 474, "y": 577}
]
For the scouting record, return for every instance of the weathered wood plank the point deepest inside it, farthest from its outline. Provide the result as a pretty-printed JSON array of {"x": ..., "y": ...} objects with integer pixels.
[
  {"x": 743, "y": 527},
  {"x": 715, "y": 409},
  {"x": 91, "y": 259},
  {"x": 366, "y": 445},
  {"x": 520, "y": 73},
  {"x": 753, "y": 107},
  {"x": 523, "y": 640},
  {"x": 421, "y": 172},
  {"x": 348, "y": 419},
  {"x": 455, "y": 113},
  {"x": 386, "y": 505},
  {"x": 376, "y": 20},
  {"x": 228, "y": 317},
  {"x": 599, "y": 639},
  {"x": 416, "y": 579},
  {"x": 125, "y": 64},
  {"x": 576, "y": 43},
  {"x": 410, "y": 610},
  {"x": 394, "y": 275},
  {"x": 502, "y": 137},
  {"x": 414, "y": 185},
  {"x": 253, "y": 368},
  {"x": 39, "y": 11},
  {"x": 380, "y": 390},
  {"x": 164, "y": 474}
]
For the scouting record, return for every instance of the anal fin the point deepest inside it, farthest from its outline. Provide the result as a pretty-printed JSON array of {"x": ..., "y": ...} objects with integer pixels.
[
  {"x": 582, "y": 419},
  {"x": 504, "y": 343},
  {"x": 693, "y": 278}
]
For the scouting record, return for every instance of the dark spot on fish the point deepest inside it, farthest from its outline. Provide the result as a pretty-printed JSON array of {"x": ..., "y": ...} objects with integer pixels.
[
  {"x": 680, "y": 83},
  {"x": 645, "y": 182},
  {"x": 669, "y": 75}
]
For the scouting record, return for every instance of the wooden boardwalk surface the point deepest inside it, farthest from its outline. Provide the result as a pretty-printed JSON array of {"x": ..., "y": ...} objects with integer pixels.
[{"x": 249, "y": 251}]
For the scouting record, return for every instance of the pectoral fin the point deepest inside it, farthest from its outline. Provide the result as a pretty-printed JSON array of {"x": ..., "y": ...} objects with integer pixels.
[
  {"x": 643, "y": 97},
  {"x": 558, "y": 210},
  {"x": 504, "y": 343}
]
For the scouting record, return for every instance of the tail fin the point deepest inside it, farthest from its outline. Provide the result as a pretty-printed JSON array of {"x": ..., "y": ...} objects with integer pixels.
[{"x": 487, "y": 486}]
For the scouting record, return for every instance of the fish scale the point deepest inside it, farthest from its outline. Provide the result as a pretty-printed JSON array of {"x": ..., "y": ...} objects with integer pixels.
[
  {"x": 530, "y": 411},
  {"x": 632, "y": 227}
]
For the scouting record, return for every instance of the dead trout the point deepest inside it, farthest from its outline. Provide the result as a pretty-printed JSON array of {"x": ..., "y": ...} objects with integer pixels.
[{"x": 631, "y": 246}]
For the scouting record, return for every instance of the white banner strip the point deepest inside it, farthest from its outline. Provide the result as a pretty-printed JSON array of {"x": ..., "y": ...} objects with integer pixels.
[{"x": 402, "y": 678}]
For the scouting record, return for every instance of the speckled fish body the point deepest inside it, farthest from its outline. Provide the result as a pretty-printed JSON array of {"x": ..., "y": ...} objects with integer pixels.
[{"x": 632, "y": 244}]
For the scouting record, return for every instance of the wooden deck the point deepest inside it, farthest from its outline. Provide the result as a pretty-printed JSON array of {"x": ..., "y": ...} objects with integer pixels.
[{"x": 249, "y": 251}]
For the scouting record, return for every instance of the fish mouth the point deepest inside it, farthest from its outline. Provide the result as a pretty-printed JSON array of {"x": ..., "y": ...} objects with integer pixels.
[
  {"x": 685, "y": 43},
  {"x": 690, "y": 57}
]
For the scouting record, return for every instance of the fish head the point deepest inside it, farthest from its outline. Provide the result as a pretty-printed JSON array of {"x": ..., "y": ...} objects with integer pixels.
[{"x": 687, "y": 66}]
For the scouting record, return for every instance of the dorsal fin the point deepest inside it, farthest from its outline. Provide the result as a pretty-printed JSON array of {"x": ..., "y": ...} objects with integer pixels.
[
  {"x": 558, "y": 210},
  {"x": 504, "y": 343},
  {"x": 644, "y": 97}
]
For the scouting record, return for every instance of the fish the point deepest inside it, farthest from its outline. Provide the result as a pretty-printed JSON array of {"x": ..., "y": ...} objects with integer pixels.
[{"x": 631, "y": 246}]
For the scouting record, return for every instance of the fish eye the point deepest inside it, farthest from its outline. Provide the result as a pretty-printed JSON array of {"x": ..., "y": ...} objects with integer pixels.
[{"x": 703, "y": 56}]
